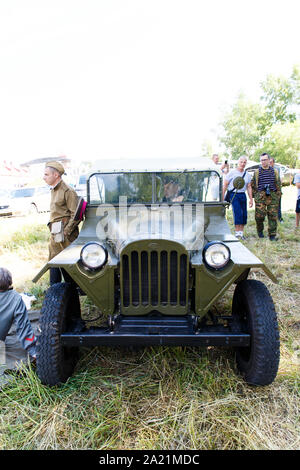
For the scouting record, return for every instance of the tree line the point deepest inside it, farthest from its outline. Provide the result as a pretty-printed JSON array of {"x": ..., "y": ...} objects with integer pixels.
[{"x": 271, "y": 125}]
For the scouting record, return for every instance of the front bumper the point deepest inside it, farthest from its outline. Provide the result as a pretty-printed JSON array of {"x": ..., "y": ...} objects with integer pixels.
[{"x": 155, "y": 331}]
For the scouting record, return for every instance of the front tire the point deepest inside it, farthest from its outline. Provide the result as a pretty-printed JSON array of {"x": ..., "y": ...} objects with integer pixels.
[
  {"x": 55, "y": 363},
  {"x": 253, "y": 310}
]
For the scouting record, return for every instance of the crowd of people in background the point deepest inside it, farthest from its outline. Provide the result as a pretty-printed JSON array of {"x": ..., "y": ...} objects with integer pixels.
[{"x": 264, "y": 188}]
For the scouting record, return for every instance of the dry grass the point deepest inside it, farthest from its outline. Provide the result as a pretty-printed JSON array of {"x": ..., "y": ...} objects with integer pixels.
[
  {"x": 154, "y": 399},
  {"x": 23, "y": 247},
  {"x": 163, "y": 398}
]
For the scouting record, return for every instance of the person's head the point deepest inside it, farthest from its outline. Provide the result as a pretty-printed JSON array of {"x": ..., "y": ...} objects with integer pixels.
[
  {"x": 242, "y": 162},
  {"x": 171, "y": 189},
  {"x": 272, "y": 161},
  {"x": 53, "y": 173},
  {"x": 265, "y": 160},
  {"x": 5, "y": 279},
  {"x": 215, "y": 158}
]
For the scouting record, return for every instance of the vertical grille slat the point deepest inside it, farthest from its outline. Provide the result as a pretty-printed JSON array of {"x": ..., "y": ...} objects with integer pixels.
[
  {"x": 173, "y": 278},
  {"x": 164, "y": 277},
  {"x": 135, "y": 278},
  {"x": 125, "y": 281},
  {"x": 144, "y": 278},
  {"x": 183, "y": 279},
  {"x": 154, "y": 278}
]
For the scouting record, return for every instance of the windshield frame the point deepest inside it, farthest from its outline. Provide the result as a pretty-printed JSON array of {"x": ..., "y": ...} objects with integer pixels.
[{"x": 153, "y": 176}]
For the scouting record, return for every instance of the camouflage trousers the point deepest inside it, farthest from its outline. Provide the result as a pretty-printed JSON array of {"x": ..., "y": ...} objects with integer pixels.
[{"x": 266, "y": 206}]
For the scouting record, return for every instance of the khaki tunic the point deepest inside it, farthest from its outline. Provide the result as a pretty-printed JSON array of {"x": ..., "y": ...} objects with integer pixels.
[{"x": 63, "y": 205}]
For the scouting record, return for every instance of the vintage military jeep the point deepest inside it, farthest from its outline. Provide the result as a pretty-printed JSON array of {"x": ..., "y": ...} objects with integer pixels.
[{"x": 154, "y": 254}]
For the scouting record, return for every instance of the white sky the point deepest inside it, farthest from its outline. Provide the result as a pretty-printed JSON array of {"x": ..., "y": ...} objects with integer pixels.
[{"x": 94, "y": 79}]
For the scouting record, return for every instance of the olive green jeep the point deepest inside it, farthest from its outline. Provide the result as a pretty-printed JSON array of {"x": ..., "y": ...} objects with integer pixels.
[{"x": 154, "y": 255}]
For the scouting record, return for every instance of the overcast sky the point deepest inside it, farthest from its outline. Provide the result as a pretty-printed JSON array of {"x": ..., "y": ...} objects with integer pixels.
[{"x": 94, "y": 79}]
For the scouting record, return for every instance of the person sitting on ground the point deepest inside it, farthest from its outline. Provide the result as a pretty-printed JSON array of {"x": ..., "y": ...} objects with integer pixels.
[{"x": 13, "y": 309}]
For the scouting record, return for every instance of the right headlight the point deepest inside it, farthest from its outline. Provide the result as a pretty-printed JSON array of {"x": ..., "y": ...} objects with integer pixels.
[
  {"x": 216, "y": 255},
  {"x": 93, "y": 255}
]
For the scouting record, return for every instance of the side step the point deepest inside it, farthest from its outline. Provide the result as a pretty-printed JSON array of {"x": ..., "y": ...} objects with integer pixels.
[{"x": 155, "y": 330}]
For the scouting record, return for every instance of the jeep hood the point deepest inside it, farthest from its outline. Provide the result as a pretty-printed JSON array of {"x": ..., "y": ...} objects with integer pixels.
[{"x": 188, "y": 225}]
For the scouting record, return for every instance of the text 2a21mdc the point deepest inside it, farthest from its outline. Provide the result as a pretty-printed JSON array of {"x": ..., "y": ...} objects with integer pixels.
[{"x": 151, "y": 459}]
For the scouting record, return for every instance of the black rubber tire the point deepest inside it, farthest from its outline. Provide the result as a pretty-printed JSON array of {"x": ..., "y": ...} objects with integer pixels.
[
  {"x": 254, "y": 310},
  {"x": 55, "y": 363}
]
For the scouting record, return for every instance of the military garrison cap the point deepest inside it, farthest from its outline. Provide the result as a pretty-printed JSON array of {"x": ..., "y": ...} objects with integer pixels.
[{"x": 57, "y": 166}]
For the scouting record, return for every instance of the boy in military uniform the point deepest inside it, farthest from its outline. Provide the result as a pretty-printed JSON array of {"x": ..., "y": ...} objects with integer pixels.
[
  {"x": 63, "y": 227},
  {"x": 266, "y": 190}
]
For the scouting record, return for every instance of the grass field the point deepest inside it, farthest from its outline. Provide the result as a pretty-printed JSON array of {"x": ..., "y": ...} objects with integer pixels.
[{"x": 158, "y": 398}]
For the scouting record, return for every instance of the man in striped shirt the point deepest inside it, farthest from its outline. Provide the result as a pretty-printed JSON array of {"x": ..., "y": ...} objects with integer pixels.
[{"x": 266, "y": 189}]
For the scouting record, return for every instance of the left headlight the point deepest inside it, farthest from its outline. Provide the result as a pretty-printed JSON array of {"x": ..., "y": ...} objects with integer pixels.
[
  {"x": 216, "y": 255},
  {"x": 93, "y": 255}
]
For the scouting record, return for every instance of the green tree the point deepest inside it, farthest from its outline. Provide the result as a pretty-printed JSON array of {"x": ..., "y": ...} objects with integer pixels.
[
  {"x": 272, "y": 125},
  {"x": 241, "y": 125},
  {"x": 283, "y": 143},
  {"x": 282, "y": 98}
]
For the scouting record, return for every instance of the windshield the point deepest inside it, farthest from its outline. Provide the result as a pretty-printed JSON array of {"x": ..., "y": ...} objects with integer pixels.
[{"x": 159, "y": 187}]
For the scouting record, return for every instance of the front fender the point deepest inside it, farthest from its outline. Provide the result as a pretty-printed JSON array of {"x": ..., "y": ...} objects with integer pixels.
[
  {"x": 211, "y": 285},
  {"x": 41, "y": 272},
  {"x": 65, "y": 258}
]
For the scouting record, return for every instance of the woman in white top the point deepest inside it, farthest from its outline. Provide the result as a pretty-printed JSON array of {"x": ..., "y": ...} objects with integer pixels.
[{"x": 238, "y": 196}]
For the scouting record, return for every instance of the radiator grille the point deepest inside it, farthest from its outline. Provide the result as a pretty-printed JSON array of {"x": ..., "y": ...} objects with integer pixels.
[{"x": 154, "y": 278}]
